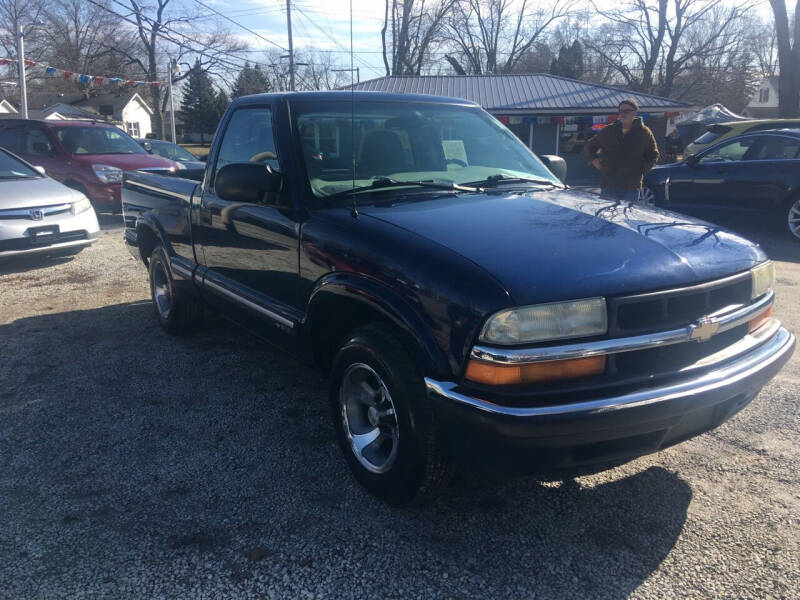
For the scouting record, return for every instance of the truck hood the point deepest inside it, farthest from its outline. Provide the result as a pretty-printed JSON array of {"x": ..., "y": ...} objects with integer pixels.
[
  {"x": 126, "y": 162},
  {"x": 555, "y": 245},
  {"x": 39, "y": 191}
]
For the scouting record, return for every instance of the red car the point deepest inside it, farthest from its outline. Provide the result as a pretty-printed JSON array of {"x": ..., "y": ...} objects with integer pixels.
[{"x": 85, "y": 155}]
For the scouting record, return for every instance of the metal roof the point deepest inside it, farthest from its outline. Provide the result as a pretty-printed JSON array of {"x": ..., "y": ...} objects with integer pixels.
[{"x": 538, "y": 92}]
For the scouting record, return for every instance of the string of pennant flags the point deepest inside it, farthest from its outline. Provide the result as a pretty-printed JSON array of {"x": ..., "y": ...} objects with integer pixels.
[{"x": 98, "y": 80}]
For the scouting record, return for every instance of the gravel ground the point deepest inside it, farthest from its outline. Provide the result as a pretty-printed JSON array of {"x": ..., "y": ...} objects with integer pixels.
[{"x": 136, "y": 465}]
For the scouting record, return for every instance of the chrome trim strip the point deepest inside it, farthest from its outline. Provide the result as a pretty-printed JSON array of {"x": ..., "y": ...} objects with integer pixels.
[
  {"x": 778, "y": 347},
  {"x": 45, "y": 249},
  {"x": 689, "y": 289},
  {"x": 666, "y": 189},
  {"x": 700, "y": 330},
  {"x": 252, "y": 305},
  {"x": 25, "y": 213},
  {"x": 181, "y": 269}
]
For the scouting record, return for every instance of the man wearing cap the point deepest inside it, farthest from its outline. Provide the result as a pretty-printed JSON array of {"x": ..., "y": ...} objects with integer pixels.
[{"x": 623, "y": 152}]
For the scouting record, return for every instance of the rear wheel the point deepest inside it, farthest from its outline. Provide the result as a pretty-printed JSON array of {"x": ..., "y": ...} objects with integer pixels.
[
  {"x": 793, "y": 218},
  {"x": 178, "y": 312},
  {"x": 382, "y": 418}
]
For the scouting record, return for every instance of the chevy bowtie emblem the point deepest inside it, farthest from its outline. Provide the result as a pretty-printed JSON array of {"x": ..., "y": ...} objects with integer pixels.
[
  {"x": 703, "y": 330},
  {"x": 37, "y": 214}
]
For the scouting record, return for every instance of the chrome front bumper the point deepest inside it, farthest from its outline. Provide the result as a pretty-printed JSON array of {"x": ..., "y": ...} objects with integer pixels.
[{"x": 622, "y": 426}]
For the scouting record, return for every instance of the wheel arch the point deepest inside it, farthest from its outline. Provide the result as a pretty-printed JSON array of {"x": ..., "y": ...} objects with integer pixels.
[{"x": 355, "y": 300}]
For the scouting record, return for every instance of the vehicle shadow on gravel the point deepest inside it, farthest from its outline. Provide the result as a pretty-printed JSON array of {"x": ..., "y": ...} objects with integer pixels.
[{"x": 135, "y": 461}]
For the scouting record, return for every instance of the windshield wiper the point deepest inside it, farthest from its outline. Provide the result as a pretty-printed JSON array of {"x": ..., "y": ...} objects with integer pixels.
[
  {"x": 385, "y": 183},
  {"x": 494, "y": 180}
]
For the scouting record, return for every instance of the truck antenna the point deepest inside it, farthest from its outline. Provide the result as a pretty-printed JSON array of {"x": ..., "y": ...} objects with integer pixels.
[{"x": 354, "y": 210}]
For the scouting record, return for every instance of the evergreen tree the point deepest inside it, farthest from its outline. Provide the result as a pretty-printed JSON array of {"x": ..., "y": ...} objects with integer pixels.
[
  {"x": 251, "y": 80},
  {"x": 569, "y": 62},
  {"x": 199, "y": 106}
]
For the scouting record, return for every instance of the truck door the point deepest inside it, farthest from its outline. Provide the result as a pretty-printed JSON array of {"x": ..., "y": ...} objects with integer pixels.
[{"x": 250, "y": 250}]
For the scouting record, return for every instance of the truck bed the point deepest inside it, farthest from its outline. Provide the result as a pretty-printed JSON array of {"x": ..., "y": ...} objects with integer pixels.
[{"x": 169, "y": 197}]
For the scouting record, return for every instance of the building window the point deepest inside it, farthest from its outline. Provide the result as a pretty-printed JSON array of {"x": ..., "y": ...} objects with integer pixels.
[
  {"x": 132, "y": 129},
  {"x": 763, "y": 95}
]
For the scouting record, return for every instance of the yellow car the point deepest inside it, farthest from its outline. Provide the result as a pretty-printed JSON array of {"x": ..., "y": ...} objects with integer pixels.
[{"x": 720, "y": 131}]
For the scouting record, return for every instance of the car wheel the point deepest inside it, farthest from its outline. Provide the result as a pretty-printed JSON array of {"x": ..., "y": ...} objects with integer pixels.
[
  {"x": 647, "y": 197},
  {"x": 793, "y": 218},
  {"x": 179, "y": 313},
  {"x": 383, "y": 422}
]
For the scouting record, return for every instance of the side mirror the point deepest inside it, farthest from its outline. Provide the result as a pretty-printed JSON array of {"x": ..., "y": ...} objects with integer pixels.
[
  {"x": 691, "y": 160},
  {"x": 556, "y": 164},
  {"x": 39, "y": 170},
  {"x": 148, "y": 146},
  {"x": 247, "y": 182}
]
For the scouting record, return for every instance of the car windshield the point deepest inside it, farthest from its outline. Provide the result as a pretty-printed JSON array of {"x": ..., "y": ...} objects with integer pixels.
[
  {"x": 403, "y": 141},
  {"x": 93, "y": 139},
  {"x": 171, "y": 151},
  {"x": 11, "y": 168}
]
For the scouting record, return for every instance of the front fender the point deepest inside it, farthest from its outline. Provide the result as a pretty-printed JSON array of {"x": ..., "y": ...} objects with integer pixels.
[{"x": 389, "y": 304}]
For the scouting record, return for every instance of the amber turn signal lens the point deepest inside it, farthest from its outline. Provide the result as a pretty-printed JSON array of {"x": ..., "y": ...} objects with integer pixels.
[
  {"x": 759, "y": 320},
  {"x": 493, "y": 374}
]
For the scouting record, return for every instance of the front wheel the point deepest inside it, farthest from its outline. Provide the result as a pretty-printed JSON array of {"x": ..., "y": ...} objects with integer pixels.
[
  {"x": 793, "y": 218},
  {"x": 383, "y": 421},
  {"x": 647, "y": 197}
]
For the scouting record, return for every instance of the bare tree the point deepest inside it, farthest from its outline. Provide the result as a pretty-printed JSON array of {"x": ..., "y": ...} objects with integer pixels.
[
  {"x": 788, "y": 58},
  {"x": 158, "y": 28},
  {"x": 13, "y": 15},
  {"x": 86, "y": 38},
  {"x": 492, "y": 36},
  {"x": 651, "y": 43},
  {"x": 764, "y": 46},
  {"x": 416, "y": 27},
  {"x": 318, "y": 71}
]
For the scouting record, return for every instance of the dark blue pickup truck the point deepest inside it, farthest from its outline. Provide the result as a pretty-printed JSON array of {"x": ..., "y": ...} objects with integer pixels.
[{"x": 465, "y": 304}]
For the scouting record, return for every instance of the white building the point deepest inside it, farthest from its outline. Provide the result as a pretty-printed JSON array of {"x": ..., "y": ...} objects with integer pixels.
[
  {"x": 126, "y": 109},
  {"x": 764, "y": 103}
]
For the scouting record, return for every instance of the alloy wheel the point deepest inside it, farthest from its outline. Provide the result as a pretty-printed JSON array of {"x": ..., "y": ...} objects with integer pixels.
[
  {"x": 793, "y": 219},
  {"x": 369, "y": 418},
  {"x": 647, "y": 197},
  {"x": 162, "y": 294}
]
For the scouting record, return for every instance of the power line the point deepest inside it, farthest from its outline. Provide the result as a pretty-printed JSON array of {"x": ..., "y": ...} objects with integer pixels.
[{"x": 258, "y": 35}]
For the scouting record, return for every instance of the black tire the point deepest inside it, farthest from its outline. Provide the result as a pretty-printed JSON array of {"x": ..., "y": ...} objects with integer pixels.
[
  {"x": 419, "y": 469},
  {"x": 178, "y": 312}
]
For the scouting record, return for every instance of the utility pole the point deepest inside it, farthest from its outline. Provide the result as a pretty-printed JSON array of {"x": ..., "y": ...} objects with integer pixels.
[
  {"x": 356, "y": 69},
  {"x": 23, "y": 90},
  {"x": 291, "y": 49},
  {"x": 173, "y": 69}
]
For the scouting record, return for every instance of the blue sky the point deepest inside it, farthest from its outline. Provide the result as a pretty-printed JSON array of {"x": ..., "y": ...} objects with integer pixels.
[{"x": 321, "y": 25}]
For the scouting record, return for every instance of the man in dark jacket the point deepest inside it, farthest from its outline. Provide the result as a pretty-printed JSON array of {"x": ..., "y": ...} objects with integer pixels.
[{"x": 629, "y": 151}]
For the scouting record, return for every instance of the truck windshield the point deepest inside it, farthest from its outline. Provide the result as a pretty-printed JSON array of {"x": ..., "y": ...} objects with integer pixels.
[
  {"x": 97, "y": 140},
  {"x": 408, "y": 142}
]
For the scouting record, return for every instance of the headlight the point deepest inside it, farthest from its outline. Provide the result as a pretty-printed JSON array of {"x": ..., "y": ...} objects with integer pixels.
[
  {"x": 107, "y": 174},
  {"x": 763, "y": 277},
  {"x": 80, "y": 206},
  {"x": 542, "y": 322}
]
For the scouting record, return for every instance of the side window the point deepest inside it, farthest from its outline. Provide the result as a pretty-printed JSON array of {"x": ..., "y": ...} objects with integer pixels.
[
  {"x": 775, "y": 147},
  {"x": 732, "y": 151},
  {"x": 12, "y": 140},
  {"x": 37, "y": 143},
  {"x": 248, "y": 138}
]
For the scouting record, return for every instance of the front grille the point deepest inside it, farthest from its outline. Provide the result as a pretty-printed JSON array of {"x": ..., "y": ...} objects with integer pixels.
[
  {"x": 28, "y": 243},
  {"x": 675, "y": 308}
]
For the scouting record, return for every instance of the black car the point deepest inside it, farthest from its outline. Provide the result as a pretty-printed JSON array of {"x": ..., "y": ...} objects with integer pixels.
[
  {"x": 756, "y": 172},
  {"x": 180, "y": 155}
]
